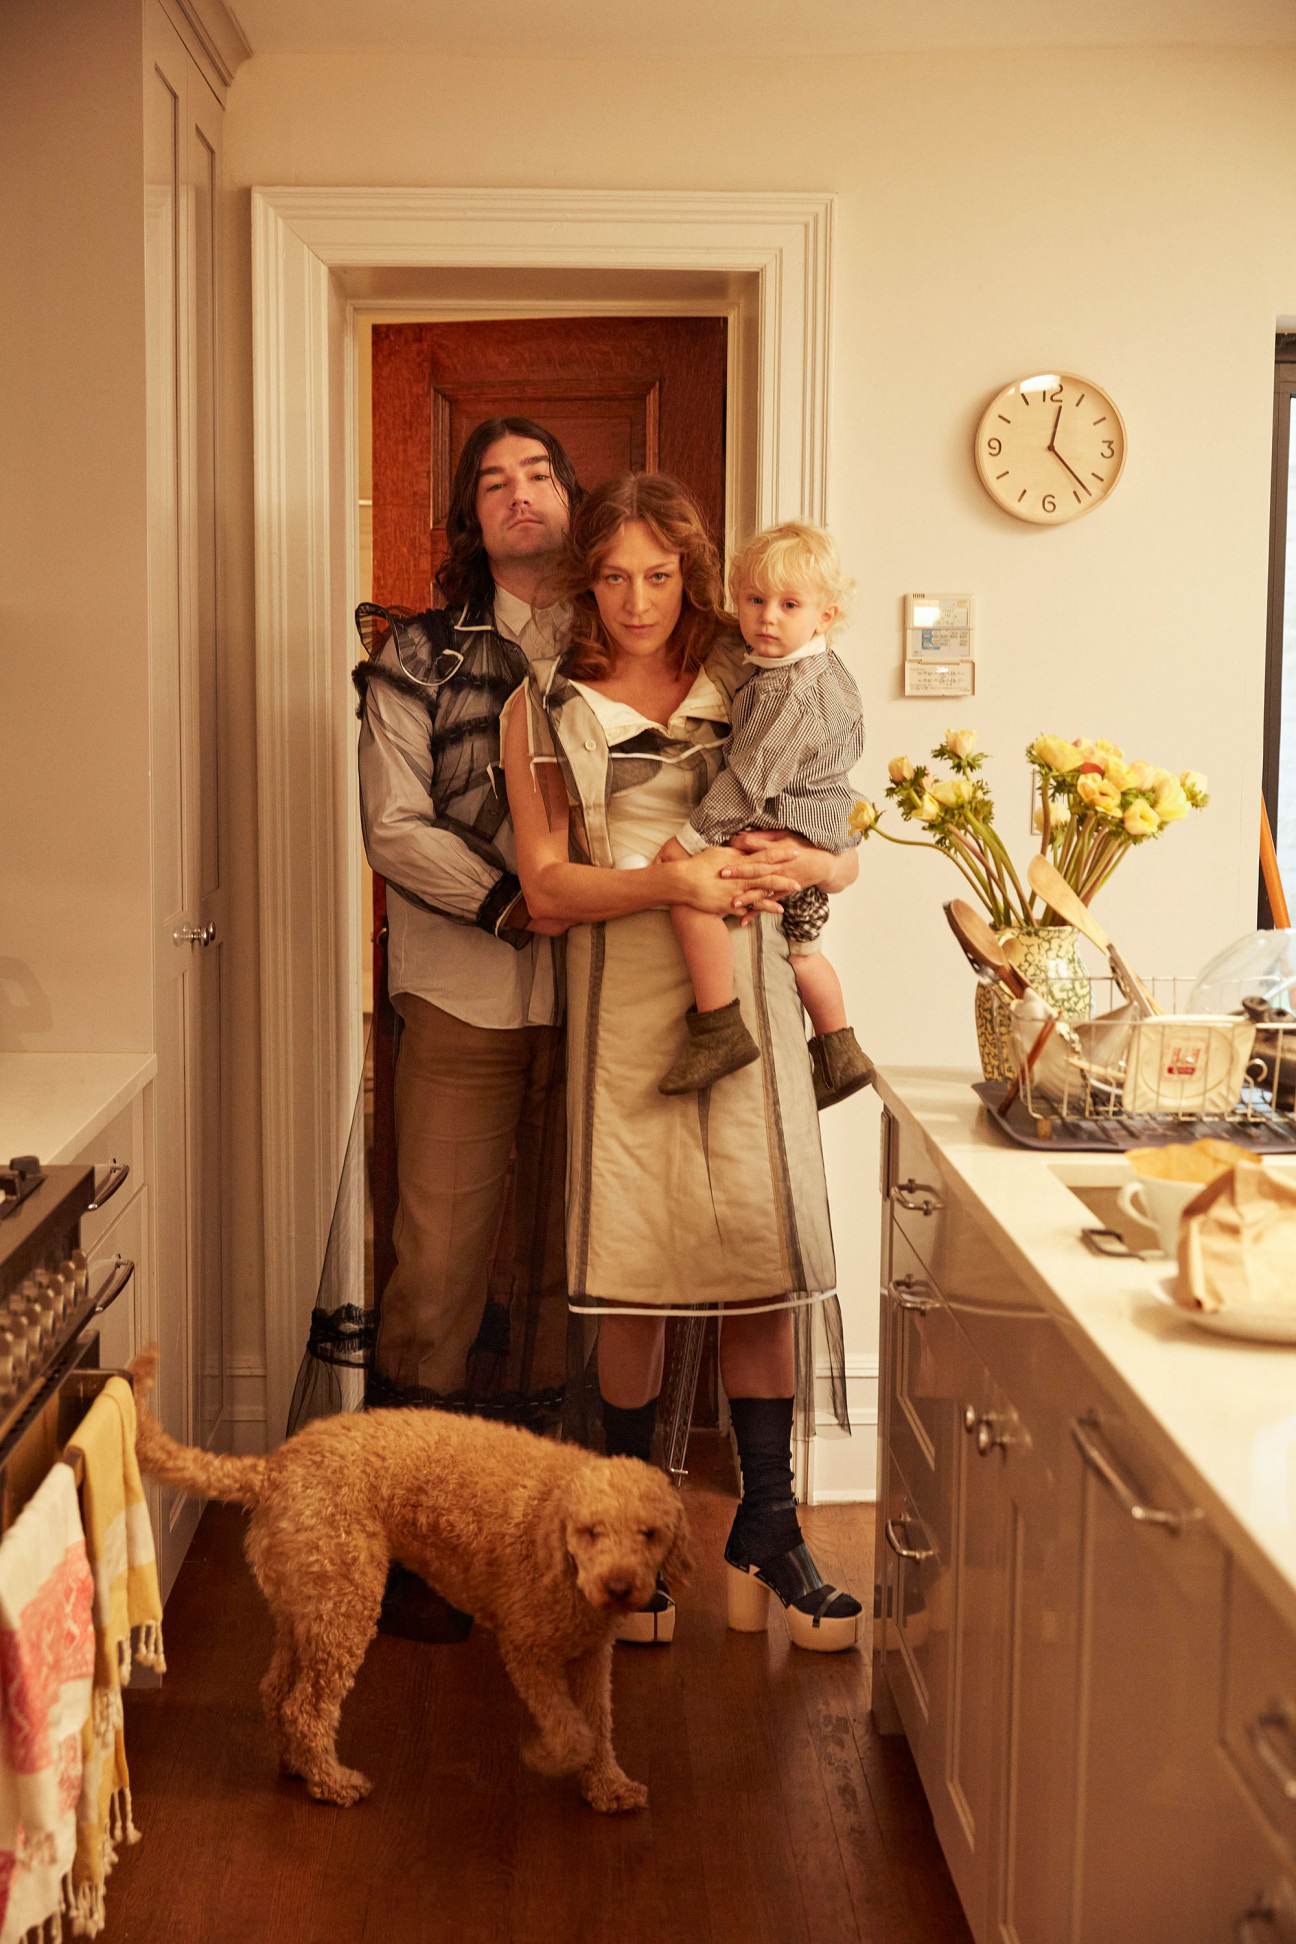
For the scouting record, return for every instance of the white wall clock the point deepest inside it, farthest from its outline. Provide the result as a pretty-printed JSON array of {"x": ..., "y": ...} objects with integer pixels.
[{"x": 1051, "y": 447}]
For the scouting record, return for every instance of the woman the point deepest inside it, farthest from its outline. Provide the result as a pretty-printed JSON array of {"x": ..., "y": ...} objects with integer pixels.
[{"x": 701, "y": 1204}]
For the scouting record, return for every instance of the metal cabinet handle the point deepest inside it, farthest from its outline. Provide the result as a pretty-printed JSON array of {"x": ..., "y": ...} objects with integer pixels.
[
  {"x": 1084, "y": 1430},
  {"x": 117, "y": 1173},
  {"x": 911, "y": 1293},
  {"x": 195, "y": 935},
  {"x": 114, "y": 1286},
  {"x": 917, "y": 1197},
  {"x": 1261, "y": 1736},
  {"x": 905, "y": 1550}
]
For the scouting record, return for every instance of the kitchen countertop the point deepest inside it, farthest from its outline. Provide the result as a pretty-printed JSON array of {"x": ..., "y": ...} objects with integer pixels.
[
  {"x": 53, "y": 1105},
  {"x": 1222, "y": 1413}
]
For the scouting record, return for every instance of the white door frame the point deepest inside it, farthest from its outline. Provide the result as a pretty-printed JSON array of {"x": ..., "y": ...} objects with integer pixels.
[{"x": 304, "y": 241}]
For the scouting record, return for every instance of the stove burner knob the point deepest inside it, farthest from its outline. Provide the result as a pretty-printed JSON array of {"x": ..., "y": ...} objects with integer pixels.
[{"x": 81, "y": 1270}]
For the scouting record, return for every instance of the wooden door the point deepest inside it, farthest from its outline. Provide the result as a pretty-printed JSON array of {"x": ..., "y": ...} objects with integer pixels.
[
  {"x": 182, "y": 145},
  {"x": 620, "y": 393}
]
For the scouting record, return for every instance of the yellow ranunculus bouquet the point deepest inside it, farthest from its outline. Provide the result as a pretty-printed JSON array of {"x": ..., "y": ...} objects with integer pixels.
[{"x": 1093, "y": 807}]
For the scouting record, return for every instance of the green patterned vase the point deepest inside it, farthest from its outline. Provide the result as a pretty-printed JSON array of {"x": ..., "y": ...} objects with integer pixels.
[{"x": 1048, "y": 958}]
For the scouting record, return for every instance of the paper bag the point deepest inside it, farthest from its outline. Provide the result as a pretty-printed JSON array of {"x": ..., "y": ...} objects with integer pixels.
[{"x": 1237, "y": 1243}]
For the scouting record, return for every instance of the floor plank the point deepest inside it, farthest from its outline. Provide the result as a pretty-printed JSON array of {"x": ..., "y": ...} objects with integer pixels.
[{"x": 777, "y": 1815}]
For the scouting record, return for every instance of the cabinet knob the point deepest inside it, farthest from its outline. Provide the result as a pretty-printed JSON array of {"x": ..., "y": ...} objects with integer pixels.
[
  {"x": 195, "y": 935},
  {"x": 911, "y": 1293}
]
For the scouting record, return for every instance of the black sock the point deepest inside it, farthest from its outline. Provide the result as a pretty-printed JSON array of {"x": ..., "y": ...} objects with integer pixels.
[
  {"x": 629, "y": 1434},
  {"x": 767, "y": 1520}
]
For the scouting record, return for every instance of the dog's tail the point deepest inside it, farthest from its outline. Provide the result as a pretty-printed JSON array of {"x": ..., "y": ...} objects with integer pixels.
[{"x": 238, "y": 1480}]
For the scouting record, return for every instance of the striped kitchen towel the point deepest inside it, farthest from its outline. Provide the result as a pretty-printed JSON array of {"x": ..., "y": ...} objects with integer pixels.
[
  {"x": 119, "y": 1542},
  {"x": 47, "y": 1657}
]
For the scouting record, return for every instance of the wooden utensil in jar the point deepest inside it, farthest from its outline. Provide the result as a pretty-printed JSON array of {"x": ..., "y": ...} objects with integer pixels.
[
  {"x": 982, "y": 949},
  {"x": 1048, "y": 881}
]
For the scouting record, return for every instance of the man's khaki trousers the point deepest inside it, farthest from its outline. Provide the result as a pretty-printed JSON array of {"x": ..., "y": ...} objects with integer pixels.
[{"x": 464, "y": 1096}]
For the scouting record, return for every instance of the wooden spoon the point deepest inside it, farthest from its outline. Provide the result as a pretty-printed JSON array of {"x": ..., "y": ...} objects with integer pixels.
[
  {"x": 1046, "y": 878},
  {"x": 982, "y": 949}
]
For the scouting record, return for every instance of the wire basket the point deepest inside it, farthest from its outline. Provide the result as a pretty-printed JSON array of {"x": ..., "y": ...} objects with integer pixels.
[{"x": 1117, "y": 1080}]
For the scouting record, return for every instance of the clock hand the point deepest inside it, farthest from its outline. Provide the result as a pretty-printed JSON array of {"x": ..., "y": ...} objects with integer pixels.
[{"x": 1058, "y": 456}]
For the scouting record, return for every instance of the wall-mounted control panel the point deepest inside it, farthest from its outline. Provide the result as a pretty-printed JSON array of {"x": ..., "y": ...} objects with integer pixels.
[{"x": 939, "y": 644}]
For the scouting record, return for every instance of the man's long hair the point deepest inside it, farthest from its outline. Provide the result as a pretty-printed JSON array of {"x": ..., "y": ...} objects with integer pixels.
[
  {"x": 675, "y": 520},
  {"x": 463, "y": 580}
]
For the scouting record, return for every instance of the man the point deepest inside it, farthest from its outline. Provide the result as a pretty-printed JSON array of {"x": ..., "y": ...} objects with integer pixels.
[{"x": 480, "y": 1062}]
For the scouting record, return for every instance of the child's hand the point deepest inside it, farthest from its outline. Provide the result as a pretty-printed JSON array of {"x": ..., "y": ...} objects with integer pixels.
[{"x": 671, "y": 852}]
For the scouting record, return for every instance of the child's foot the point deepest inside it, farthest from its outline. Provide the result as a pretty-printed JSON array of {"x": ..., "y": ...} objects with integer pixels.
[
  {"x": 718, "y": 1043},
  {"x": 841, "y": 1067}
]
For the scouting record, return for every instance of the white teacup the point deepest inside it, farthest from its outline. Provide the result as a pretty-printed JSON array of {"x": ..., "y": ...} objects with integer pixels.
[{"x": 1158, "y": 1204}]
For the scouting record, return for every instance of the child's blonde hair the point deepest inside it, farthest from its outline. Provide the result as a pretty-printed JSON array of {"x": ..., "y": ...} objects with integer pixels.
[{"x": 794, "y": 554}]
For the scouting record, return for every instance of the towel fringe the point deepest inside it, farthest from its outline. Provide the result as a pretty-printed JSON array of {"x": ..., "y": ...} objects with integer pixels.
[{"x": 148, "y": 1647}]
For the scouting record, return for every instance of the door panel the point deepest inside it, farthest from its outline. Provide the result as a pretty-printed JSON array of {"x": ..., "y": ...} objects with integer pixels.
[
  {"x": 181, "y": 136},
  {"x": 620, "y": 392}
]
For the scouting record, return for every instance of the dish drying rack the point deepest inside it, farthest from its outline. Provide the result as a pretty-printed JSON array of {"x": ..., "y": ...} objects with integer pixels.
[{"x": 1137, "y": 1094}]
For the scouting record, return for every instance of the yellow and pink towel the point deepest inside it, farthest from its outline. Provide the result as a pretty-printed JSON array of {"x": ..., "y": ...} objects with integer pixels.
[
  {"x": 47, "y": 1661},
  {"x": 127, "y": 1607}
]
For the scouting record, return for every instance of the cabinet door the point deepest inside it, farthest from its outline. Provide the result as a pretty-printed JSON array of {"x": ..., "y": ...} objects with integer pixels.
[{"x": 1165, "y": 1846}]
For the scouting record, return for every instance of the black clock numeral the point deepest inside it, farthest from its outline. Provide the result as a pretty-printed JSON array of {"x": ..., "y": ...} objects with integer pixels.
[
  {"x": 994, "y": 447},
  {"x": 1049, "y": 503},
  {"x": 1055, "y": 397},
  {"x": 1109, "y": 448}
]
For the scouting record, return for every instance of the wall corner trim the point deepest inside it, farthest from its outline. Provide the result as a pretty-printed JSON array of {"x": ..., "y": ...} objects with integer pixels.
[
  {"x": 215, "y": 37},
  {"x": 304, "y": 241}
]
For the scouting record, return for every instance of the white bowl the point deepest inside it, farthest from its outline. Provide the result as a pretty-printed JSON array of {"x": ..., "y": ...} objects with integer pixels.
[{"x": 1256, "y": 1324}]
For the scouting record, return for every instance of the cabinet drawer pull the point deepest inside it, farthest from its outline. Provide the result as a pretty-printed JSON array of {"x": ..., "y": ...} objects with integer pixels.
[
  {"x": 910, "y": 1293},
  {"x": 905, "y": 1550},
  {"x": 917, "y": 1197},
  {"x": 113, "y": 1180},
  {"x": 1263, "y": 1735},
  {"x": 1084, "y": 1430}
]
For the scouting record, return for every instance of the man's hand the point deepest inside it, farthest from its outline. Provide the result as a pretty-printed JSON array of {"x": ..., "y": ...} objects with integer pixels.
[{"x": 518, "y": 918}]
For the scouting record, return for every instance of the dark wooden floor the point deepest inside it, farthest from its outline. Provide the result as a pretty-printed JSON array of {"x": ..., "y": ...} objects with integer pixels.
[{"x": 777, "y": 1814}]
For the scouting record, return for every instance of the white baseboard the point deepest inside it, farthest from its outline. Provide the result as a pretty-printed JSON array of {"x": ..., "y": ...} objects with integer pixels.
[
  {"x": 245, "y": 1410},
  {"x": 843, "y": 1470}
]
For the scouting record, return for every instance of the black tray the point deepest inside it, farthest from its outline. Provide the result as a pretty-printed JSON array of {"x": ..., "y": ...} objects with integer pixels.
[{"x": 1271, "y": 1134}]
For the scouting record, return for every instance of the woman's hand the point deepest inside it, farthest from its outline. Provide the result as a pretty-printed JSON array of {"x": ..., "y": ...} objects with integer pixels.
[
  {"x": 832, "y": 871},
  {"x": 723, "y": 881}
]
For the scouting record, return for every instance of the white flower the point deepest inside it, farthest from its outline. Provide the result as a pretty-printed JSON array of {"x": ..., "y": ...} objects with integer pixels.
[
  {"x": 960, "y": 742},
  {"x": 1059, "y": 814}
]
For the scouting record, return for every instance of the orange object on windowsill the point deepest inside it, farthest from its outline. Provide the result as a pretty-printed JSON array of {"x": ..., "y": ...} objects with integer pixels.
[{"x": 1272, "y": 876}]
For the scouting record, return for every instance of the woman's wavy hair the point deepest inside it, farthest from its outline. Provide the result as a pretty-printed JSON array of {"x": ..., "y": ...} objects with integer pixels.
[
  {"x": 464, "y": 580},
  {"x": 674, "y": 518}
]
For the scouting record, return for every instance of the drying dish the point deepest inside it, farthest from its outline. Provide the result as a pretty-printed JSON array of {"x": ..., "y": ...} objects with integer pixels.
[{"x": 1250, "y": 1321}]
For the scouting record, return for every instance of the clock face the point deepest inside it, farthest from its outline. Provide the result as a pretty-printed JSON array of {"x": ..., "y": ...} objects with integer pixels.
[{"x": 1050, "y": 448}]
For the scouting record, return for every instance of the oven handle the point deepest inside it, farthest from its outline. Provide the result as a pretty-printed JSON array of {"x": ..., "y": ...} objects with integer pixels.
[
  {"x": 117, "y": 1173},
  {"x": 112, "y": 1289}
]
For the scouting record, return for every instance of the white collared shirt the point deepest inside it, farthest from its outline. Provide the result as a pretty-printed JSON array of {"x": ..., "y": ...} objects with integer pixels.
[{"x": 460, "y": 968}]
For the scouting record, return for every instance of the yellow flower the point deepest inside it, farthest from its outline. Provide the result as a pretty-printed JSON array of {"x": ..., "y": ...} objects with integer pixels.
[
  {"x": 928, "y": 810},
  {"x": 1056, "y": 752},
  {"x": 1141, "y": 820},
  {"x": 1195, "y": 788},
  {"x": 1170, "y": 800},
  {"x": 1103, "y": 749},
  {"x": 1142, "y": 776},
  {"x": 1119, "y": 775},
  {"x": 863, "y": 817},
  {"x": 1099, "y": 794},
  {"x": 900, "y": 769},
  {"x": 1085, "y": 747},
  {"x": 960, "y": 742},
  {"x": 952, "y": 792}
]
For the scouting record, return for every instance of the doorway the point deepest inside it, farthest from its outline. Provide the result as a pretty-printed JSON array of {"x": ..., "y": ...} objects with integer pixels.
[
  {"x": 323, "y": 259},
  {"x": 621, "y": 393}
]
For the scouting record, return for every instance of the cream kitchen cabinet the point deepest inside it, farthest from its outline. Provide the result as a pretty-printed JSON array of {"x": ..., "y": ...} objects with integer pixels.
[{"x": 1055, "y": 1604}]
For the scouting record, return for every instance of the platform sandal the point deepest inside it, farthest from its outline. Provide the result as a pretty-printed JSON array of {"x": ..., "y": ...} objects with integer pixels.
[
  {"x": 819, "y": 1618},
  {"x": 649, "y": 1626}
]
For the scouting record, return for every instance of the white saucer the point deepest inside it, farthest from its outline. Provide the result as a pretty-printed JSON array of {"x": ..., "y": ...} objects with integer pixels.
[{"x": 1252, "y": 1322}]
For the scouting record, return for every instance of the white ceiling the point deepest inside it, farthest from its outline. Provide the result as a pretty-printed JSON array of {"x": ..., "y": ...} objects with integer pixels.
[{"x": 567, "y": 29}]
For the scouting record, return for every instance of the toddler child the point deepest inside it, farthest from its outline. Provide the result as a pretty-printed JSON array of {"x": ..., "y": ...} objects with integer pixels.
[{"x": 796, "y": 730}]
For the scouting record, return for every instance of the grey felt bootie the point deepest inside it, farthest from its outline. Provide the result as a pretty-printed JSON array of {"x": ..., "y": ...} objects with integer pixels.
[
  {"x": 718, "y": 1043},
  {"x": 841, "y": 1067}
]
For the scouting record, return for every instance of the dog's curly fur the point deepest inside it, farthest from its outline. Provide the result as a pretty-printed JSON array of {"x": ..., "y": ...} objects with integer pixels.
[{"x": 543, "y": 1543}]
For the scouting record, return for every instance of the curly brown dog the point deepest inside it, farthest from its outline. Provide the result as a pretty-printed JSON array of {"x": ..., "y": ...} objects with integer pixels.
[{"x": 543, "y": 1543}]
